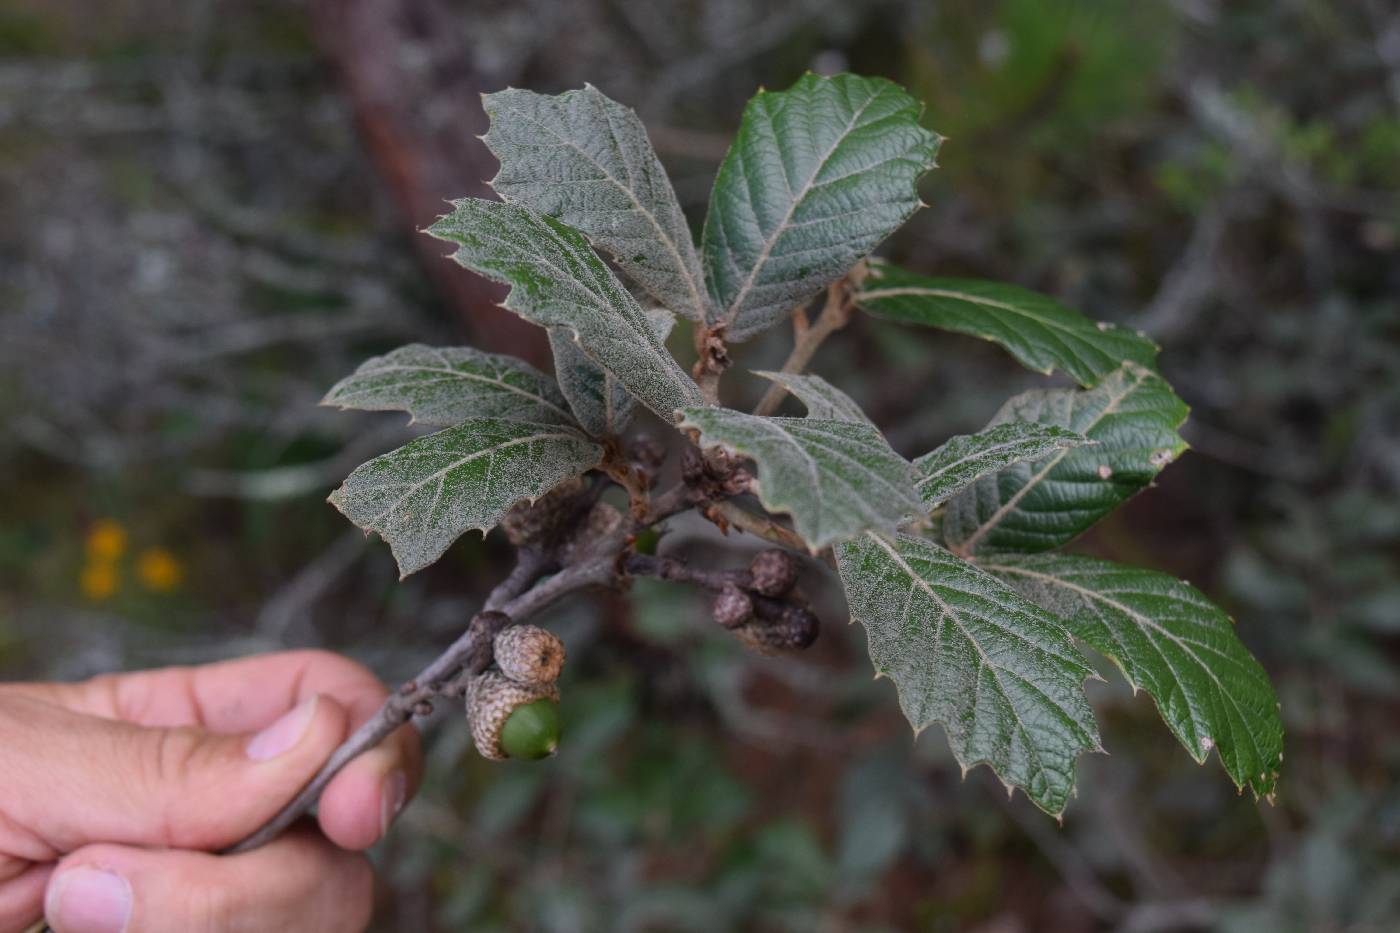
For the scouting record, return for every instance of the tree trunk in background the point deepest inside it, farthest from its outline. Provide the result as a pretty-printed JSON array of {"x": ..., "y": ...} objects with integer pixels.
[{"x": 417, "y": 101}]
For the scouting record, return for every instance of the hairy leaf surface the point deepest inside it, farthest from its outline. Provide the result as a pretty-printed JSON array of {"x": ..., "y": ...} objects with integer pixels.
[
  {"x": 822, "y": 399},
  {"x": 835, "y": 478},
  {"x": 602, "y": 404},
  {"x": 1132, "y": 415},
  {"x": 965, "y": 650},
  {"x": 816, "y": 177},
  {"x": 444, "y": 385},
  {"x": 423, "y": 496},
  {"x": 559, "y": 282},
  {"x": 586, "y": 159},
  {"x": 1172, "y": 642},
  {"x": 941, "y": 473},
  {"x": 1040, "y": 332}
]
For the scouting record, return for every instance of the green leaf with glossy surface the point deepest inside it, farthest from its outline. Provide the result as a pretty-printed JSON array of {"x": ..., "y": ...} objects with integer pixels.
[
  {"x": 1133, "y": 417},
  {"x": 1040, "y": 332},
  {"x": 966, "y": 650},
  {"x": 1173, "y": 642},
  {"x": 441, "y": 386},
  {"x": 559, "y": 282},
  {"x": 816, "y": 177},
  {"x": 602, "y": 404},
  {"x": 821, "y": 398},
  {"x": 835, "y": 478},
  {"x": 423, "y": 496},
  {"x": 586, "y": 159},
  {"x": 962, "y": 459}
]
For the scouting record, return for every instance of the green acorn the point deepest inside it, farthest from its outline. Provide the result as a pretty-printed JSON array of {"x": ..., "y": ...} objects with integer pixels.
[{"x": 513, "y": 720}]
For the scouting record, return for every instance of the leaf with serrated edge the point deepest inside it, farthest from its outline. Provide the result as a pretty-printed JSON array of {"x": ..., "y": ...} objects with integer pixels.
[
  {"x": 441, "y": 386},
  {"x": 1173, "y": 642},
  {"x": 835, "y": 478},
  {"x": 586, "y": 159},
  {"x": 817, "y": 176},
  {"x": 423, "y": 496},
  {"x": 1133, "y": 415},
  {"x": 962, "y": 459},
  {"x": 965, "y": 650},
  {"x": 822, "y": 399},
  {"x": 601, "y": 403},
  {"x": 559, "y": 282},
  {"x": 1040, "y": 332}
]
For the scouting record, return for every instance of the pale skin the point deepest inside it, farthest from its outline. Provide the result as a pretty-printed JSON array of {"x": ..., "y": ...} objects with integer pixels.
[{"x": 116, "y": 792}]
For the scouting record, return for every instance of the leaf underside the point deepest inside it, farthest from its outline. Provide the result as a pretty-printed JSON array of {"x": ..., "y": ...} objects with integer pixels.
[
  {"x": 1132, "y": 416},
  {"x": 602, "y": 404},
  {"x": 1042, "y": 334},
  {"x": 821, "y": 398},
  {"x": 586, "y": 159},
  {"x": 816, "y": 177},
  {"x": 964, "y": 458},
  {"x": 442, "y": 386},
  {"x": 965, "y": 650},
  {"x": 835, "y": 478},
  {"x": 560, "y": 283},
  {"x": 424, "y": 495},
  {"x": 1173, "y": 642}
]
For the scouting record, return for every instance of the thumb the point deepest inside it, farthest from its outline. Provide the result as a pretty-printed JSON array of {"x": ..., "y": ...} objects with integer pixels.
[{"x": 83, "y": 779}]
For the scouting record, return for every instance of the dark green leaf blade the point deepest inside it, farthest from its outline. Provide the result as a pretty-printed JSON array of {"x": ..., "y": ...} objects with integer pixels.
[
  {"x": 1173, "y": 642},
  {"x": 817, "y": 176},
  {"x": 602, "y": 404},
  {"x": 965, "y": 650},
  {"x": 821, "y": 398},
  {"x": 1040, "y": 332},
  {"x": 964, "y": 458}
]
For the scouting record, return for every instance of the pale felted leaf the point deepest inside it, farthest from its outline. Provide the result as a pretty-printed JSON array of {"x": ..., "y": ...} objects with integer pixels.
[
  {"x": 816, "y": 177},
  {"x": 1133, "y": 417},
  {"x": 835, "y": 478},
  {"x": 601, "y": 403},
  {"x": 1040, "y": 332},
  {"x": 444, "y": 385},
  {"x": 822, "y": 399},
  {"x": 966, "y": 650},
  {"x": 1173, "y": 642},
  {"x": 559, "y": 282},
  {"x": 941, "y": 473},
  {"x": 423, "y": 496},
  {"x": 586, "y": 159}
]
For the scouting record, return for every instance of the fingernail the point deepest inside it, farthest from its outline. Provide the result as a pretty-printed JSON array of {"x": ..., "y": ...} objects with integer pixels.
[
  {"x": 391, "y": 799},
  {"x": 283, "y": 734},
  {"x": 89, "y": 900}
]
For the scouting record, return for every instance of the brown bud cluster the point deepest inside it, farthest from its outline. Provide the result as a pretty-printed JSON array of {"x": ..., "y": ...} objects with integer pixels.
[
  {"x": 714, "y": 474},
  {"x": 542, "y": 520}
]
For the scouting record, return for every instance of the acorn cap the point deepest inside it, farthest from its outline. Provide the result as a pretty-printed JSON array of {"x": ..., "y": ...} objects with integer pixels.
[
  {"x": 492, "y": 699},
  {"x": 528, "y": 654},
  {"x": 732, "y": 606},
  {"x": 774, "y": 572},
  {"x": 796, "y": 628}
]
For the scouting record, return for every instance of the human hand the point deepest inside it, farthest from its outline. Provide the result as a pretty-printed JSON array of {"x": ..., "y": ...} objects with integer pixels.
[{"x": 114, "y": 792}]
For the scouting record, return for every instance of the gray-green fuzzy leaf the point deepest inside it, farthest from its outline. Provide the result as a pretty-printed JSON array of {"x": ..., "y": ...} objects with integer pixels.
[
  {"x": 835, "y": 478},
  {"x": 559, "y": 282},
  {"x": 816, "y": 177},
  {"x": 1040, "y": 332},
  {"x": 965, "y": 650},
  {"x": 602, "y": 404},
  {"x": 1173, "y": 642},
  {"x": 423, "y": 496},
  {"x": 586, "y": 159},
  {"x": 822, "y": 399},
  {"x": 962, "y": 459},
  {"x": 1133, "y": 417},
  {"x": 444, "y": 385}
]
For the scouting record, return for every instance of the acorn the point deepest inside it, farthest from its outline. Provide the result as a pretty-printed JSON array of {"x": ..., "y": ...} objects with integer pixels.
[
  {"x": 732, "y": 607},
  {"x": 791, "y": 629},
  {"x": 530, "y": 522},
  {"x": 513, "y": 720},
  {"x": 774, "y": 572},
  {"x": 528, "y": 654}
]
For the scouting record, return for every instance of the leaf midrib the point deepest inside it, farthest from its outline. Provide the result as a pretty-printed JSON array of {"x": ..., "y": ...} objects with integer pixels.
[{"x": 468, "y": 376}]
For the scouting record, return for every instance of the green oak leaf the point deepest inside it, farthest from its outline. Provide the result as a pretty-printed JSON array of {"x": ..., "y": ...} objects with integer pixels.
[
  {"x": 822, "y": 399},
  {"x": 835, "y": 478},
  {"x": 1173, "y": 642},
  {"x": 440, "y": 386},
  {"x": 602, "y": 404},
  {"x": 559, "y": 282},
  {"x": 586, "y": 159},
  {"x": 964, "y": 458},
  {"x": 817, "y": 176},
  {"x": 1133, "y": 417},
  {"x": 1040, "y": 332},
  {"x": 429, "y": 492},
  {"x": 964, "y": 649}
]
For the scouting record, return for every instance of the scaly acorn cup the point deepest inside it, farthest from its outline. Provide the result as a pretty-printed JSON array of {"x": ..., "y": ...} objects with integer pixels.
[
  {"x": 528, "y": 654},
  {"x": 513, "y": 720}
]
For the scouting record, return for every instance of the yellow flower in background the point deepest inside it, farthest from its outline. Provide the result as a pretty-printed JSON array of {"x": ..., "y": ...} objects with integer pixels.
[
  {"x": 106, "y": 541},
  {"x": 99, "y": 580},
  {"x": 159, "y": 569}
]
